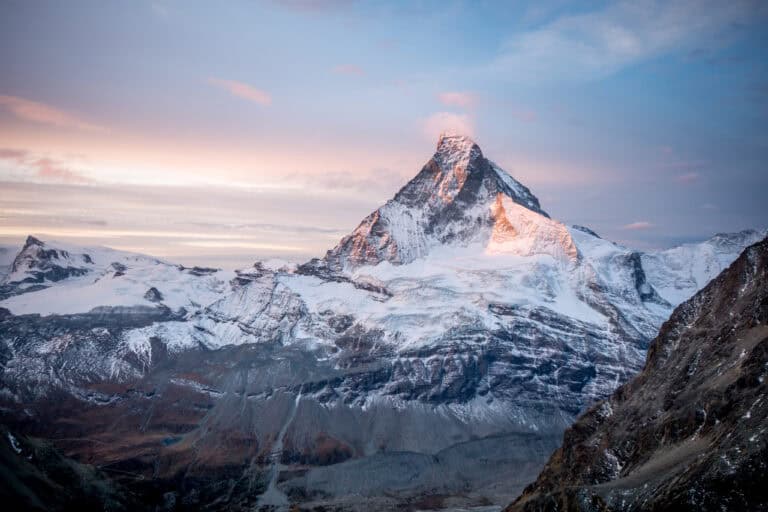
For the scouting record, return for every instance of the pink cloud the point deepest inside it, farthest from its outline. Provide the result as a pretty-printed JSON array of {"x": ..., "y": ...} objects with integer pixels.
[
  {"x": 28, "y": 110},
  {"x": 349, "y": 69},
  {"x": 637, "y": 226},
  {"x": 44, "y": 168},
  {"x": 48, "y": 169},
  {"x": 13, "y": 154},
  {"x": 243, "y": 90},
  {"x": 688, "y": 178},
  {"x": 442, "y": 122},
  {"x": 458, "y": 99}
]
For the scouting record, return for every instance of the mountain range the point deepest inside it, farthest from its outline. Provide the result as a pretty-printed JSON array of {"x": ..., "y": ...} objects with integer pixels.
[{"x": 433, "y": 358}]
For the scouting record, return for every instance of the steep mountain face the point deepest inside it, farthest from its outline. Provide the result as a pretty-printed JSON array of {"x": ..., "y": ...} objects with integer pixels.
[
  {"x": 36, "y": 264},
  {"x": 7, "y": 255},
  {"x": 689, "y": 432},
  {"x": 437, "y": 353},
  {"x": 455, "y": 199}
]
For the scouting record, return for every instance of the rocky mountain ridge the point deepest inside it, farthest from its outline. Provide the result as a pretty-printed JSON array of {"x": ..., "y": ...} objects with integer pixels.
[{"x": 455, "y": 199}]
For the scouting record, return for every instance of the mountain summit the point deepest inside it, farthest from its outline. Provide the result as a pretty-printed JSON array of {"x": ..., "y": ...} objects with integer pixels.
[{"x": 458, "y": 197}]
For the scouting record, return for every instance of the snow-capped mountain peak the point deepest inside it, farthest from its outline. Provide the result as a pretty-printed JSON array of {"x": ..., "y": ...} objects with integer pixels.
[
  {"x": 37, "y": 263},
  {"x": 452, "y": 201},
  {"x": 454, "y": 156}
]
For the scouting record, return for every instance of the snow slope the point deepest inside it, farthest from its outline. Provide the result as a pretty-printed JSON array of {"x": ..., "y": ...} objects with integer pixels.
[
  {"x": 58, "y": 278},
  {"x": 679, "y": 272}
]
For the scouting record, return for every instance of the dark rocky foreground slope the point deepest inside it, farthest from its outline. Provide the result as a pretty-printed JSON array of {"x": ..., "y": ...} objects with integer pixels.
[
  {"x": 34, "y": 475},
  {"x": 690, "y": 432}
]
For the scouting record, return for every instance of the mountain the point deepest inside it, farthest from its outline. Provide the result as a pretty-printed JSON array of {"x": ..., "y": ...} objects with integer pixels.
[
  {"x": 688, "y": 433},
  {"x": 435, "y": 355},
  {"x": 71, "y": 279},
  {"x": 458, "y": 197}
]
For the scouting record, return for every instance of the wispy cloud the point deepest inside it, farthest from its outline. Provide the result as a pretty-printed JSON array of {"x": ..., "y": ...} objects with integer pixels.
[
  {"x": 51, "y": 170},
  {"x": 638, "y": 226},
  {"x": 160, "y": 9},
  {"x": 157, "y": 219},
  {"x": 281, "y": 228},
  {"x": 314, "y": 5},
  {"x": 382, "y": 181},
  {"x": 602, "y": 42},
  {"x": 243, "y": 90},
  {"x": 682, "y": 165},
  {"x": 441, "y": 122},
  {"x": 17, "y": 155},
  {"x": 36, "y": 112},
  {"x": 688, "y": 178},
  {"x": 349, "y": 69},
  {"x": 44, "y": 168},
  {"x": 458, "y": 99},
  {"x": 240, "y": 244}
]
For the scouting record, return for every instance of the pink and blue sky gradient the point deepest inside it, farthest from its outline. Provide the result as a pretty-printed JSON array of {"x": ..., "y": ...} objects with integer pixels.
[{"x": 223, "y": 132}]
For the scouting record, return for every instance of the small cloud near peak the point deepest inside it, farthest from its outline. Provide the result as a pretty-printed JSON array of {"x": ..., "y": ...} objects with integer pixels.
[
  {"x": 464, "y": 100},
  {"x": 243, "y": 90},
  {"x": 439, "y": 123}
]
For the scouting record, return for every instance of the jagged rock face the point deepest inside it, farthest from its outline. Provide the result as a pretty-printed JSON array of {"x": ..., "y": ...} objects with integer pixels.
[
  {"x": 449, "y": 202},
  {"x": 458, "y": 330},
  {"x": 37, "y": 264},
  {"x": 689, "y": 432},
  {"x": 7, "y": 255}
]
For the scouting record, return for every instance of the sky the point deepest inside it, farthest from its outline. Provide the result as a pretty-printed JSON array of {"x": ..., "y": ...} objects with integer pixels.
[{"x": 220, "y": 133}]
